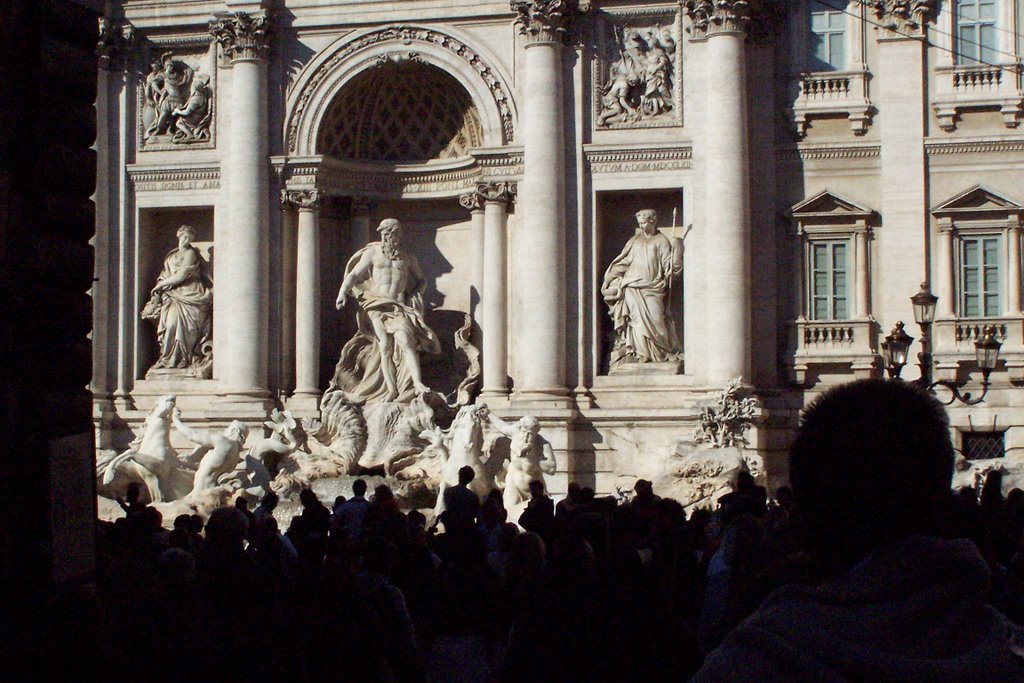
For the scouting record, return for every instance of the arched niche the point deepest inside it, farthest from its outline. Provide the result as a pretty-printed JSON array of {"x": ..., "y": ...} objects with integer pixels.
[
  {"x": 335, "y": 68},
  {"x": 407, "y": 112}
]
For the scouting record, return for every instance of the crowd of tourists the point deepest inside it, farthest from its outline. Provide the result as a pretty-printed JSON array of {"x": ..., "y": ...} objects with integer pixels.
[{"x": 868, "y": 568}]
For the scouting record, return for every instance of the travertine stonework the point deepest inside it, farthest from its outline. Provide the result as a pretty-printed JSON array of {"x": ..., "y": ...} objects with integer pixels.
[{"x": 515, "y": 142}]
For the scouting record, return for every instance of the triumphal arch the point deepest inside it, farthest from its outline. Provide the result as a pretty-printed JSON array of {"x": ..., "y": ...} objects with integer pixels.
[{"x": 379, "y": 234}]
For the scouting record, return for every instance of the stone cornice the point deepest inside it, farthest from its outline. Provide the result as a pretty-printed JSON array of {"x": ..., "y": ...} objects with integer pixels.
[
  {"x": 172, "y": 178},
  {"x": 115, "y": 43},
  {"x": 638, "y": 159},
  {"x": 242, "y": 35},
  {"x": 1014, "y": 145},
  {"x": 903, "y": 18},
  {"x": 547, "y": 20},
  {"x": 828, "y": 152}
]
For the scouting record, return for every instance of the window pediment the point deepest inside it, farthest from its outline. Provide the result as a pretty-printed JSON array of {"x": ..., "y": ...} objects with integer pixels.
[
  {"x": 978, "y": 203},
  {"x": 829, "y": 212}
]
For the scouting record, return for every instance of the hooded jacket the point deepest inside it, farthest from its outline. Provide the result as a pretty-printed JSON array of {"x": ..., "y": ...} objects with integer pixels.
[{"x": 911, "y": 611}]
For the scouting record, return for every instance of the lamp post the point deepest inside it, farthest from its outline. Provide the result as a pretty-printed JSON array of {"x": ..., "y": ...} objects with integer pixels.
[{"x": 897, "y": 344}]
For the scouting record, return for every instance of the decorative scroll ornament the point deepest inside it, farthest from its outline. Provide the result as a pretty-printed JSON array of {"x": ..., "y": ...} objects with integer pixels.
[
  {"x": 546, "y": 20},
  {"x": 472, "y": 201},
  {"x": 902, "y": 16},
  {"x": 503, "y": 192},
  {"x": 242, "y": 35},
  {"x": 726, "y": 425},
  {"x": 114, "y": 44},
  {"x": 301, "y": 199}
]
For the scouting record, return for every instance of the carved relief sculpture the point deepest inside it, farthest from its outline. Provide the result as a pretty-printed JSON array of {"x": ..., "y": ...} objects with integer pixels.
[
  {"x": 902, "y": 16},
  {"x": 182, "y": 304},
  {"x": 178, "y": 103},
  {"x": 381, "y": 362},
  {"x": 637, "y": 288},
  {"x": 641, "y": 78}
]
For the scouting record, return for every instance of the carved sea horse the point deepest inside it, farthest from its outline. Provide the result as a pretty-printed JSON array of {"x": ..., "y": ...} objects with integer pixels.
[
  {"x": 152, "y": 459},
  {"x": 465, "y": 446}
]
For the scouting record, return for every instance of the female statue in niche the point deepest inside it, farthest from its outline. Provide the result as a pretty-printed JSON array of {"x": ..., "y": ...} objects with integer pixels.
[
  {"x": 182, "y": 303},
  {"x": 636, "y": 288}
]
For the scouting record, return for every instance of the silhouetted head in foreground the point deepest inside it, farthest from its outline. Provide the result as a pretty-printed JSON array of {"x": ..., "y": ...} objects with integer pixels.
[
  {"x": 466, "y": 475},
  {"x": 872, "y": 462}
]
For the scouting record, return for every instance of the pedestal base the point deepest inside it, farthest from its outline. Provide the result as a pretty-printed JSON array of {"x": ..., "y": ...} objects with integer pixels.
[{"x": 672, "y": 367}]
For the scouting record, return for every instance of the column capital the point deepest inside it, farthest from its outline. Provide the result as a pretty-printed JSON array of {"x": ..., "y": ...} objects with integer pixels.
[
  {"x": 472, "y": 201},
  {"x": 760, "y": 19},
  {"x": 547, "y": 21},
  {"x": 902, "y": 18},
  {"x": 717, "y": 16},
  {"x": 502, "y": 192},
  {"x": 301, "y": 199},
  {"x": 114, "y": 44},
  {"x": 243, "y": 36}
]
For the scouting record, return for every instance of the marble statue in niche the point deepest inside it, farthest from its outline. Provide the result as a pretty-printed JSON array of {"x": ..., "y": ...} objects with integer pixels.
[
  {"x": 381, "y": 362},
  {"x": 637, "y": 287},
  {"x": 641, "y": 77},
  {"x": 178, "y": 102},
  {"x": 182, "y": 304}
]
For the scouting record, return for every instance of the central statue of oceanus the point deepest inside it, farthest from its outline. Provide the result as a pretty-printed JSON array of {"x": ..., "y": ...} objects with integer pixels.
[{"x": 382, "y": 361}]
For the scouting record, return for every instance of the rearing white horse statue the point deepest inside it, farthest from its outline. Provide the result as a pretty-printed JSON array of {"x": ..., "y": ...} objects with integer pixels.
[{"x": 465, "y": 445}]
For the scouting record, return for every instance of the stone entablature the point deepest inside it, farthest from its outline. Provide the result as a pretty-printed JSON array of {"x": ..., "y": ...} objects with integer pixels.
[
  {"x": 177, "y": 178},
  {"x": 638, "y": 159}
]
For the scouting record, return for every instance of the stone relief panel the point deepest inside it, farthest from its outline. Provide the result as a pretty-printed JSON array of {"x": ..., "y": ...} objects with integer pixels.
[
  {"x": 176, "y": 99},
  {"x": 638, "y": 70}
]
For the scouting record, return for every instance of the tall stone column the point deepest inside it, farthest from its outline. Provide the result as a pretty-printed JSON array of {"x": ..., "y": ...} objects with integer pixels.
[
  {"x": 540, "y": 257},
  {"x": 307, "y": 299},
  {"x": 1013, "y": 272},
  {"x": 474, "y": 203},
  {"x": 862, "y": 309},
  {"x": 944, "y": 266},
  {"x": 497, "y": 197},
  {"x": 289, "y": 228},
  {"x": 723, "y": 25},
  {"x": 241, "y": 292},
  {"x": 360, "y": 221}
]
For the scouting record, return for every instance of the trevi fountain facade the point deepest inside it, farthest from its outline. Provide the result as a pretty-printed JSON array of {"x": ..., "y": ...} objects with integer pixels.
[{"x": 588, "y": 242}]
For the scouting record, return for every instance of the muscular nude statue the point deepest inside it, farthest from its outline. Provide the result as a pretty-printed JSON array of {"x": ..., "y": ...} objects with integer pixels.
[
  {"x": 388, "y": 285},
  {"x": 220, "y": 450}
]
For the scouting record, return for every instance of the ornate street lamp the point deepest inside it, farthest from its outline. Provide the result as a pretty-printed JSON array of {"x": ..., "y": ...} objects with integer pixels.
[
  {"x": 897, "y": 344},
  {"x": 924, "y": 305},
  {"x": 894, "y": 350}
]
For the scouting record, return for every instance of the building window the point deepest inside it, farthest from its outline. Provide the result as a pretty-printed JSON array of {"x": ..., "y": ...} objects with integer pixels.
[
  {"x": 979, "y": 276},
  {"x": 976, "y": 39},
  {"x": 984, "y": 445},
  {"x": 828, "y": 36},
  {"x": 829, "y": 281}
]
